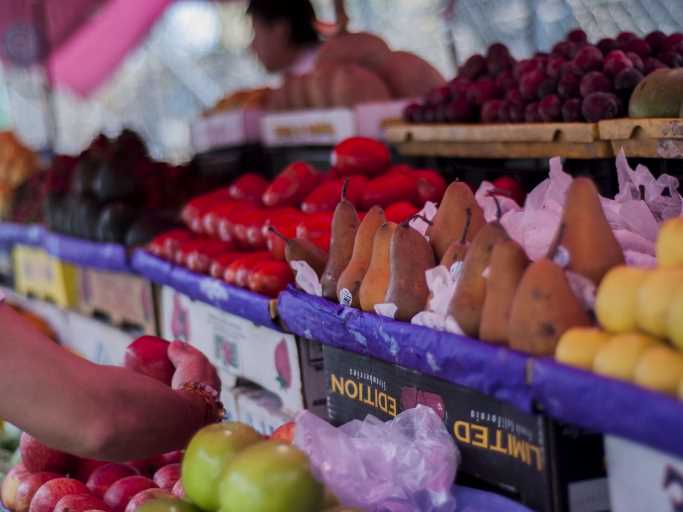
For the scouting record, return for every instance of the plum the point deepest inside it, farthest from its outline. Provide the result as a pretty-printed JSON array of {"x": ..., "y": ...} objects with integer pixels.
[
  {"x": 625, "y": 37},
  {"x": 671, "y": 41},
  {"x": 527, "y": 66},
  {"x": 638, "y": 62},
  {"x": 505, "y": 80},
  {"x": 458, "y": 86},
  {"x": 498, "y": 59},
  {"x": 490, "y": 111},
  {"x": 571, "y": 110},
  {"x": 554, "y": 66},
  {"x": 638, "y": 46},
  {"x": 671, "y": 59},
  {"x": 530, "y": 83},
  {"x": 459, "y": 111},
  {"x": 550, "y": 108},
  {"x": 514, "y": 111},
  {"x": 412, "y": 113},
  {"x": 607, "y": 44},
  {"x": 600, "y": 105},
  {"x": 547, "y": 86},
  {"x": 652, "y": 64},
  {"x": 569, "y": 86},
  {"x": 626, "y": 80},
  {"x": 481, "y": 91},
  {"x": 514, "y": 95},
  {"x": 589, "y": 58},
  {"x": 438, "y": 96},
  {"x": 473, "y": 67},
  {"x": 615, "y": 61},
  {"x": 656, "y": 40},
  {"x": 577, "y": 36},
  {"x": 595, "y": 81},
  {"x": 531, "y": 113}
]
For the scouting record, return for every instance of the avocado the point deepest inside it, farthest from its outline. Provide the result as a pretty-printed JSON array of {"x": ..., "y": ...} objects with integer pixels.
[
  {"x": 115, "y": 181},
  {"x": 146, "y": 228},
  {"x": 114, "y": 221},
  {"x": 659, "y": 94},
  {"x": 84, "y": 218},
  {"x": 84, "y": 176}
]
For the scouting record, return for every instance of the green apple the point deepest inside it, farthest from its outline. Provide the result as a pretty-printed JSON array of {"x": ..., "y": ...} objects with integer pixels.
[
  {"x": 208, "y": 454},
  {"x": 167, "y": 505},
  {"x": 270, "y": 477}
]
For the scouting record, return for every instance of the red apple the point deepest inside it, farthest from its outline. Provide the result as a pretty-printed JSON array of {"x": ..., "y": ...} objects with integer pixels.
[
  {"x": 146, "y": 467},
  {"x": 37, "y": 457},
  {"x": 284, "y": 433},
  {"x": 148, "y": 355},
  {"x": 178, "y": 490},
  {"x": 145, "y": 496},
  {"x": 51, "y": 492},
  {"x": 167, "y": 476},
  {"x": 121, "y": 492},
  {"x": 80, "y": 503},
  {"x": 10, "y": 483},
  {"x": 103, "y": 477},
  {"x": 171, "y": 457},
  {"x": 510, "y": 187},
  {"x": 28, "y": 487},
  {"x": 85, "y": 468}
]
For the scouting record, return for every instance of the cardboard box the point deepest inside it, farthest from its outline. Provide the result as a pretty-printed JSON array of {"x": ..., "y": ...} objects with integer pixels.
[
  {"x": 97, "y": 341},
  {"x": 275, "y": 361},
  {"x": 642, "y": 478},
  {"x": 226, "y": 129},
  {"x": 40, "y": 275},
  {"x": 545, "y": 465},
  {"x": 126, "y": 300},
  {"x": 308, "y": 127}
]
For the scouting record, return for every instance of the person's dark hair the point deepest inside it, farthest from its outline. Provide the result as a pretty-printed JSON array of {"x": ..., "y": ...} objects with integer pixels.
[{"x": 298, "y": 13}]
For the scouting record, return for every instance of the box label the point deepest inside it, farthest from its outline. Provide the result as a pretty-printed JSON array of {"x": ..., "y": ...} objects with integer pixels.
[{"x": 310, "y": 127}]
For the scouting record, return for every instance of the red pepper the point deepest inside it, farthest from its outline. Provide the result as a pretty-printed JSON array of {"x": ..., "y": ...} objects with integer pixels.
[
  {"x": 255, "y": 231},
  {"x": 430, "y": 186},
  {"x": 286, "y": 225},
  {"x": 238, "y": 271},
  {"x": 193, "y": 210},
  {"x": 388, "y": 189},
  {"x": 228, "y": 221},
  {"x": 270, "y": 277},
  {"x": 211, "y": 218},
  {"x": 292, "y": 185},
  {"x": 249, "y": 187},
  {"x": 398, "y": 212},
  {"x": 324, "y": 197},
  {"x": 360, "y": 155},
  {"x": 199, "y": 258},
  {"x": 165, "y": 245},
  {"x": 221, "y": 262}
]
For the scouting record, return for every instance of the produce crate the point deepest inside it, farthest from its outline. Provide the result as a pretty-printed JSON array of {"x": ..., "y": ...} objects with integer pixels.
[
  {"x": 535, "y": 140},
  {"x": 546, "y": 465},
  {"x": 43, "y": 276},
  {"x": 645, "y": 138},
  {"x": 226, "y": 129},
  {"x": 641, "y": 478},
  {"x": 276, "y": 361},
  {"x": 126, "y": 300}
]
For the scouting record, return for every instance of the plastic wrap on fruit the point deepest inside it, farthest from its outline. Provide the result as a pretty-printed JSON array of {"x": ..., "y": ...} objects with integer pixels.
[
  {"x": 387, "y": 309},
  {"x": 488, "y": 203},
  {"x": 306, "y": 278},
  {"x": 441, "y": 283},
  {"x": 418, "y": 223},
  {"x": 406, "y": 464}
]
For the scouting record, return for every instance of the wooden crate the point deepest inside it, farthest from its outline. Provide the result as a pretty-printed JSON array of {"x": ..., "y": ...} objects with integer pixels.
[
  {"x": 645, "y": 138},
  {"x": 126, "y": 300},
  {"x": 37, "y": 274}
]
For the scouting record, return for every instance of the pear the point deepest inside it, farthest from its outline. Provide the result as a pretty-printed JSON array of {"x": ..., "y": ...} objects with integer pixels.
[
  {"x": 410, "y": 256},
  {"x": 585, "y": 234},
  {"x": 543, "y": 309},
  {"x": 451, "y": 218},
  {"x": 670, "y": 243},
  {"x": 344, "y": 226},
  {"x": 373, "y": 289},
  {"x": 616, "y": 301},
  {"x": 654, "y": 298},
  {"x": 619, "y": 356},
  {"x": 458, "y": 248},
  {"x": 674, "y": 318},
  {"x": 468, "y": 300},
  {"x": 348, "y": 284},
  {"x": 578, "y": 346},
  {"x": 506, "y": 268},
  {"x": 299, "y": 249},
  {"x": 659, "y": 368}
]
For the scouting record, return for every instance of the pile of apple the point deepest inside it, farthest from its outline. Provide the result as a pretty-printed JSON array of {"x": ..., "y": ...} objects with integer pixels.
[
  {"x": 577, "y": 81},
  {"x": 640, "y": 312},
  {"x": 238, "y": 233}
]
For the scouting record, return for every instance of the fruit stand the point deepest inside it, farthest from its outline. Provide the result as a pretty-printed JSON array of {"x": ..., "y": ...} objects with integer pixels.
[{"x": 397, "y": 323}]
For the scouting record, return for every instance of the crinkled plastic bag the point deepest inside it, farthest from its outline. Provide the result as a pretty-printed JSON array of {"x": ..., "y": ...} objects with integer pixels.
[
  {"x": 306, "y": 278},
  {"x": 407, "y": 464},
  {"x": 442, "y": 283}
]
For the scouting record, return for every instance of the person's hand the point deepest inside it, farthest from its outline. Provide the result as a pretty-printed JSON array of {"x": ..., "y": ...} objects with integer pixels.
[{"x": 191, "y": 366}]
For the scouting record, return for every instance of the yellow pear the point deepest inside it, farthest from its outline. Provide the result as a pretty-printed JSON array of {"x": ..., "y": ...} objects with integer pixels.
[
  {"x": 674, "y": 320},
  {"x": 660, "y": 368},
  {"x": 654, "y": 298},
  {"x": 619, "y": 356},
  {"x": 579, "y": 345},
  {"x": 670, "y": 243},
  {"x": 616, "y": 300}
]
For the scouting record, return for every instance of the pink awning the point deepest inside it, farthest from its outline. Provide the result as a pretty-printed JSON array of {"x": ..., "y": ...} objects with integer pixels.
[{"x": 87, "y": 39}]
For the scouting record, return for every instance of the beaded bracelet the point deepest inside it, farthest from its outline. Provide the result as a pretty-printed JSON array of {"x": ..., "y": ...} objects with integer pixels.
[{"x": 214, "y": 407}]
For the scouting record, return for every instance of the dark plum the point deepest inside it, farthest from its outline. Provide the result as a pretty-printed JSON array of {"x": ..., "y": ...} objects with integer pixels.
[
  {"x": 550, "y": 109},
  {"x": 459, "y": 111},
  {"x": 473, "y": 67},
  {"x": 671, "y": 41},
  {"x": 671, "y": 59},
  {"x": 438, "y": 96},
  {"x": 514, "y": 95},
  {"x": 458, "y": 86},
  {"x": 626, "y": 80},
  {"x": 506, "y": 80},
  {"x": 498, "y": 50},
  {"x": 615, "y": 61},
  {"x": 656, "y": 40},
  {"x": 527, "y": 66},
  {"x": 638, "y": 62},
  {"x": 588, "y": 58},
  {"x": 570, "y": 67},
  {"x": 571, "y": 111},
  {"x": 553, "y": 68},
  {"x": 546, "y": 87},
  {"x": 515, "y": 111},
  {"x": 607, "y": 44},
  {"x": 595, "y": 81},
  {"x": 564, "y": 49},
  {"x": 531, "y": 113},
  {"x": 498, "y": 59},
  {"x": 651, "y": 64},
  {"x": 481, "y": 91},
  {"x": 577, "y": 36},
  {"x": 428, "y": 114},
  {"x": 412, "y": 113},
  {"x": 490, "y": 111},
  {"x": 638, "y": 46},
  {"x": 569, "y": 86},
  {"x": 600, "y": 105},
  {"x": 625, "y": 37},
  {"x": 529, "y": 84}
]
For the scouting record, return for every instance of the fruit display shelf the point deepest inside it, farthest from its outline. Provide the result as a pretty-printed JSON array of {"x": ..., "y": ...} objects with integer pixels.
[
  {"x": 526, "y": 140},
  {"x": 645, "y": 138},
  {"x": 27, "y": 234},
  {"x": 238, "y": 301}
]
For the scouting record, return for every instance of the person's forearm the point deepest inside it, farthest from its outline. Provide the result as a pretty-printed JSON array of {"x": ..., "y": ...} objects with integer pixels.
[{"x": 92, "y": 411}]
